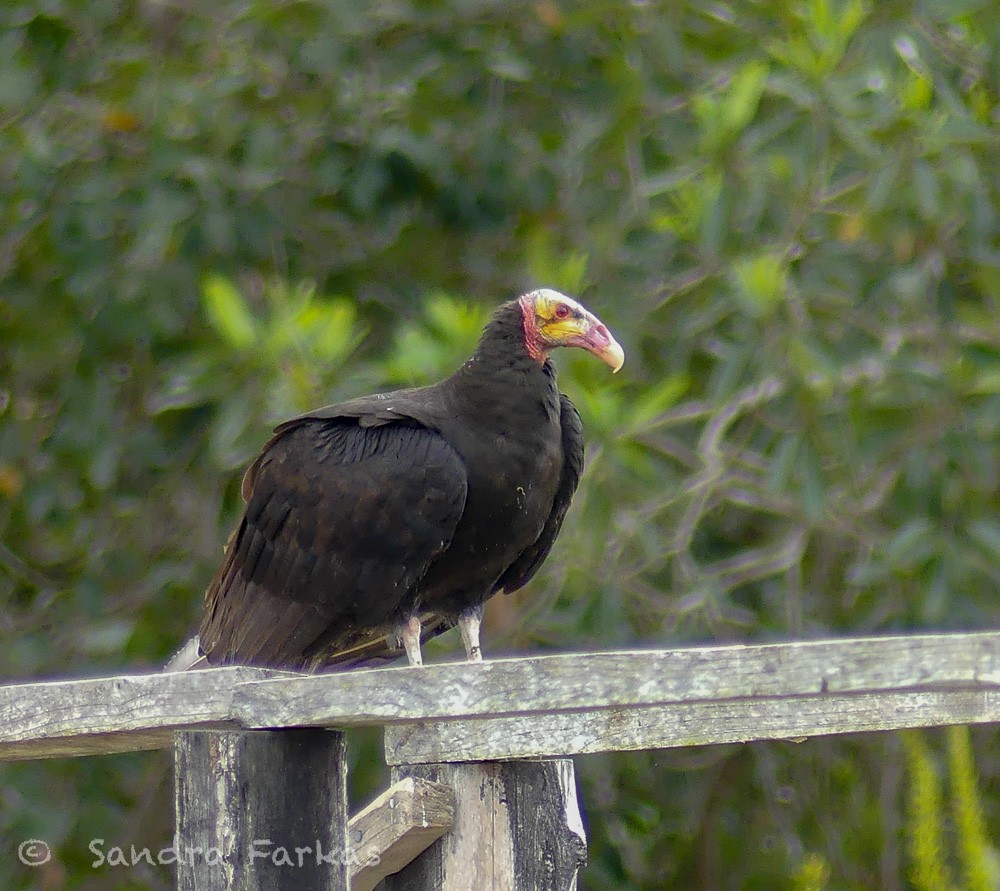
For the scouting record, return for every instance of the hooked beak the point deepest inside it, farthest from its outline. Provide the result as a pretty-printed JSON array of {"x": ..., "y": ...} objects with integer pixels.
[{"x": 598, "y": 340}]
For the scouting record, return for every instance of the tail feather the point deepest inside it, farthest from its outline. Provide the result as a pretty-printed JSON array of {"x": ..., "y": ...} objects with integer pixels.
[
  {"x": 187, "y": 657},
  {"x": 365, "y": 650}
]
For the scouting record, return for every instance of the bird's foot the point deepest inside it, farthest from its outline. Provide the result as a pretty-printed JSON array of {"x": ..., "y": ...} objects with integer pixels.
[
  {"x": 408, "y": 631},
  {"x": 468, "y": 625}
]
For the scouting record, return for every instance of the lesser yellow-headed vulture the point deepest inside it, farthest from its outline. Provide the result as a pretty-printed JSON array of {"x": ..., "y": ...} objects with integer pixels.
[{"x": 376, "y": 520}]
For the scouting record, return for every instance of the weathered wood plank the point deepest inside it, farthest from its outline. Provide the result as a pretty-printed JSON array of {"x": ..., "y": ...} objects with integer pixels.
[
  {"x": 401, "y": 823},
  {"x": 261, "y": 811},
  {"x": 685, "y": 724},
  {"x": 596, "y": 681},
  {"x": 517, "y": 828},
  {"x": 55, "y": 719},
  {"x": 572, "y": 690}
]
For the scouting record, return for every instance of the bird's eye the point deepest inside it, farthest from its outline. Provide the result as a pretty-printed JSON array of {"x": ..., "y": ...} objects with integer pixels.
[{"x": 562, "y": 311}]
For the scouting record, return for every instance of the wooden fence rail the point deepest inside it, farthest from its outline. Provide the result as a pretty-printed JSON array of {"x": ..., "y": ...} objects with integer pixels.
[
  {"x": 539, "y": 706},
  {"x": 438, "y": 717}
]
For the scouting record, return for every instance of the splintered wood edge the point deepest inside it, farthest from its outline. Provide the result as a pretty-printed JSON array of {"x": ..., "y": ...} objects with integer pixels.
[{"x": 401, "y": 823}]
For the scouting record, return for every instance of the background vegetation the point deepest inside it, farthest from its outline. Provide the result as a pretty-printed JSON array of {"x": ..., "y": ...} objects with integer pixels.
[{"x": 214, "y": 216}]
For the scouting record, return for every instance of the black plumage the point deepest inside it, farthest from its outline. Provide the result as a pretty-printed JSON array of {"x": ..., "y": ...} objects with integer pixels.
[{"x": 403, "y": 512}]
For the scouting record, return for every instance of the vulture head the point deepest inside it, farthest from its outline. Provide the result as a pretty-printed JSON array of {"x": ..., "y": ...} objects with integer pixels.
[{"x": 553, "y": 320}]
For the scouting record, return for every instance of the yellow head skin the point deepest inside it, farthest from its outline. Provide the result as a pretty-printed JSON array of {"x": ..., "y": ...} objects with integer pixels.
[{"x": 553, "y": 320}]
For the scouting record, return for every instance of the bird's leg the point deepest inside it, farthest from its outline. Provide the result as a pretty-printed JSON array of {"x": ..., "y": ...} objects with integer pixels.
[
  {"x": 468, "y": 624},
  {"x": 408, "y": 631}
]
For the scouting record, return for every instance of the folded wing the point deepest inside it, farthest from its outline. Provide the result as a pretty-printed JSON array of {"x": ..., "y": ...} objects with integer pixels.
[{"x": 342, "y": 521}]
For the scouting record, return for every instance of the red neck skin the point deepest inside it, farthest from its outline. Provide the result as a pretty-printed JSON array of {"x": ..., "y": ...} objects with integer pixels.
[{"x": 533, "y": 343}]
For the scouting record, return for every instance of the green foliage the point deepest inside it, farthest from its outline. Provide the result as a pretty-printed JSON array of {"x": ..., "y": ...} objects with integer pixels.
[
  {"x": 975, "y": 852},
  {"x": 216, "y": 217},
  {"x": 929, "y": 871},
  {"x": 761, "y": 282},
  {"x": 228, "y": 312},
  {"x": 434, "y": 346},
  {"x": 813, "y": 874},
  {"x": 929, "y": 828},
  {"x": 722, "y": 115}
]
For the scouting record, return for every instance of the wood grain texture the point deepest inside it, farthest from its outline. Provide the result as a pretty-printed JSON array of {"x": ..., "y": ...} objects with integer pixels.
[
  {"x": 517, "y": 828},
  {"x": 401, "y": 823},
  {"x": 116, "y": 714},
  {"x": 617, "y": 680},
  {"x": 684, "y": 724},
  {"x": 261, "y": 811},
  {"x": 511, "y": 708}
]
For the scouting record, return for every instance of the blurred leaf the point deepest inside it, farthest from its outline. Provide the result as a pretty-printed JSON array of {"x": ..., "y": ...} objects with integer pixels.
[
  {"x": 813, "y": 874},
  {"x": 228, "y": 312},
  {"x": 330, "y": 330},
  {"x": 987, "y": 534},
  {"x": 739, "y": 104},
  {"x": 723, "y": 115},
  {"x": 986, "y": 382},
  {"x": 911, "y": 545},
  {"x": 436, "y": 345},
  {"x": 550, "y": 268},
  {"x": 761, "y": 282},
  {"x": 651, "y": 404}
]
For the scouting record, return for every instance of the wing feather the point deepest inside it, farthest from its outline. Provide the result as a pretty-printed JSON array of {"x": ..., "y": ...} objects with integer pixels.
[
  {"x": 365, "y": 648},
  {"x": 341, "y": 523},
  {"x": 526, "y": 565}
]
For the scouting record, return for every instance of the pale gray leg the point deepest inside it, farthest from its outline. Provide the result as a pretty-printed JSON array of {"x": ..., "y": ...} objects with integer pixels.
[
  {"x": 468, "y": 624},
  {"x": 408, "y": 631}
]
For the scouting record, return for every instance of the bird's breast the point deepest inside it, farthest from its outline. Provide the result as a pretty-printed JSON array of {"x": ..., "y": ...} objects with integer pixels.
[{"x": 516, "y": 487}]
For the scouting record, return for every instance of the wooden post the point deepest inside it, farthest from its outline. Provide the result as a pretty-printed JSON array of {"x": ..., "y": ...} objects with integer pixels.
[
  {"x": 517, "y": 828},
  {"x": 261, "y": 811}
]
